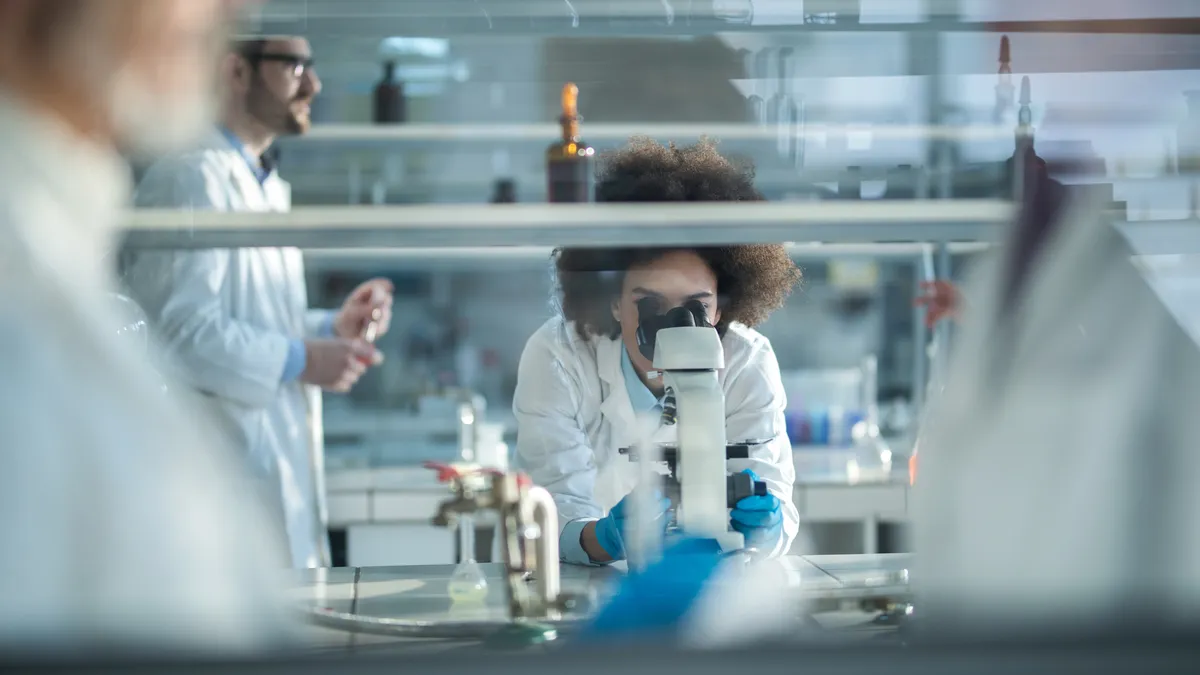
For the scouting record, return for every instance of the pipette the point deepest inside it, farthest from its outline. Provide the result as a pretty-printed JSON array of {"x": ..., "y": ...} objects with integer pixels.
[{"x": 371, "y": 331}]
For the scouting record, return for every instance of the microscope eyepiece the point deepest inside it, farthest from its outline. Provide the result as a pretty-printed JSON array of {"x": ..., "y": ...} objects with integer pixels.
[
  {"x": 650, "y": 321},
  {"x": 679, "y": 317}
]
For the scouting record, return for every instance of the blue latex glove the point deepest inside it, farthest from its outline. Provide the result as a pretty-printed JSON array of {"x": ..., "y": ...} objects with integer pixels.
[
  {"x": 759, "y": 519},
  {"x": 610, "y": 530},
  {"x": 651, "y": 604}
]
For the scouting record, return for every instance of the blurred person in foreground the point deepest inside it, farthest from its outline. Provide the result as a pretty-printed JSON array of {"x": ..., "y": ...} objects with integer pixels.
[
  {"x": 237, "y": 321},
  {"x": 124, "y": 525},
  {"x": 1057, "y": 483}
]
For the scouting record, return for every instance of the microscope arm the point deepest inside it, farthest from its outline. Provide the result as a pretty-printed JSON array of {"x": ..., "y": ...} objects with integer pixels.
[{"x": 737, "y": 485}]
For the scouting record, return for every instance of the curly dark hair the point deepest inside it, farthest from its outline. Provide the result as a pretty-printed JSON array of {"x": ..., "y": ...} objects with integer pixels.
[{"x": 752, "y": 280}]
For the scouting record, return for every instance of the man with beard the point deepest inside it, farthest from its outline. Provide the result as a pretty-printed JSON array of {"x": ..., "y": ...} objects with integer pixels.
[
  {"x": 124, "y": 524},
  {"x": 236, "y": 322}
]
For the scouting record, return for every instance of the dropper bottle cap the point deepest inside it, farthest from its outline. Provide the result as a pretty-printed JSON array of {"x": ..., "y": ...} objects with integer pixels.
[
  {"x": 570, "y": 111},
  {"x": 570, "y": 101}
]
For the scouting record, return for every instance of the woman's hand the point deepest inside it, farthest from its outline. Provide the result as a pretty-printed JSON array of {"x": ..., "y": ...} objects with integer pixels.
[
  {"x": 604, "y": 539},
  {"x": 758, "y": 518}
]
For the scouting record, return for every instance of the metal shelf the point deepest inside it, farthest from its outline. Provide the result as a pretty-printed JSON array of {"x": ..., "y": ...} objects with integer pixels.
[
  {"x": 609, "y": 18},
  {"x": 522, "y": 232},
  {"x": 527, "y": 257},
  {"x": 573, "y": 225},
  {"x": 442, "y": 133}
]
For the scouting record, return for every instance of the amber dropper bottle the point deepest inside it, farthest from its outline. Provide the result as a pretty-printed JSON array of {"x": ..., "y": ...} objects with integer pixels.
[{"x": 569, "y": 171}]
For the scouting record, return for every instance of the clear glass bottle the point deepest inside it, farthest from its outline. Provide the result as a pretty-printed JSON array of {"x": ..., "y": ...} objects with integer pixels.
[
  {"x": 783, "y": 111},
  {"x": 1005, "y": 91},
  {"x": 1188, "y": 136}
]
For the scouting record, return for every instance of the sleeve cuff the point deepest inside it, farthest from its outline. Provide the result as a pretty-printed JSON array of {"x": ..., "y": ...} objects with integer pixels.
[
  {"x": 570, "y": 548},
  {"x": 325, "y": 328},
  {"x": 296, "y": 361},
  {"x": 318, "y": 323}
]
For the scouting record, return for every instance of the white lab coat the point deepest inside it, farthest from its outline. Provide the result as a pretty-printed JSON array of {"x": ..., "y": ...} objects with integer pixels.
[
  {"x": 1058, "y": 471},
  {"x": 226, "y": 317},
  {"x": 123, "y": 522},
  {"x": 573, "y": 415}
]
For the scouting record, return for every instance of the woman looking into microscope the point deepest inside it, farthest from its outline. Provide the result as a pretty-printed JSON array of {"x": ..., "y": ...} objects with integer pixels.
[{"x": 582, "y": 380}]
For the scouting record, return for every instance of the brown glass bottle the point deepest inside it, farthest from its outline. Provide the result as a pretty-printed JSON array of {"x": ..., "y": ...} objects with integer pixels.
[
  {"x": 569, "y": 176},
  {"x": 390, "y": 106},
  {"x": 504, "y": 191}
]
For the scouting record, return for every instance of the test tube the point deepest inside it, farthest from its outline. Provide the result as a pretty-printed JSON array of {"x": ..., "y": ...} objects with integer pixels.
[{"x": 372, "y": 330}]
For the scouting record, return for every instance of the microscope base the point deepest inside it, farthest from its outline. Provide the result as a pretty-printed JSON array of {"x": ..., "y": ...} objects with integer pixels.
[{"x": 729, "y": 541}]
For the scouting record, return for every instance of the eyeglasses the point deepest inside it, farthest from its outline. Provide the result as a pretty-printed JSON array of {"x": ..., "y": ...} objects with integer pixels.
[{"x": 298, "y": 64}]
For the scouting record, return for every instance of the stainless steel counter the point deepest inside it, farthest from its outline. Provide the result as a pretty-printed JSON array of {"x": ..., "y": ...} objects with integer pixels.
[{"x": 833, "y": 585}]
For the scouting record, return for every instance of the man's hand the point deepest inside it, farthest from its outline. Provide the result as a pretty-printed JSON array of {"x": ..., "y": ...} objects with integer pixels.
[
  {"x": 941, "y": 300},
  {"x": 335, "y": 365},
  {"x": 370, "y": 302}
]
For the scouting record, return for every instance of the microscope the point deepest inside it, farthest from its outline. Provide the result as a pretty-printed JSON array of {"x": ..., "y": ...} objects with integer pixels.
[{"x": 686, "y": 349}]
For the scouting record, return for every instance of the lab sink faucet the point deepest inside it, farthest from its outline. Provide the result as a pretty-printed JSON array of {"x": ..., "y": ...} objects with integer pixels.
[{"x": 528, "y": 532}]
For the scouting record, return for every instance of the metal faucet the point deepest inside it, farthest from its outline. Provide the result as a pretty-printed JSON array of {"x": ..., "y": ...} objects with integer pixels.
[{"x": 528, "y": 532}]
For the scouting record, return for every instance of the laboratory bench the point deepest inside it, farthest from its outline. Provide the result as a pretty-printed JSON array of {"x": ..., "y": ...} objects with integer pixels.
[
  {"x": 841, "y": 596},
  {"x": 382, "y": 509}
]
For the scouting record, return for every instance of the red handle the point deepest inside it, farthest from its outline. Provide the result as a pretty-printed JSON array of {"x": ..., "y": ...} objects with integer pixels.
[{"x": 445, "y": 472}]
